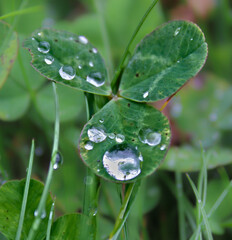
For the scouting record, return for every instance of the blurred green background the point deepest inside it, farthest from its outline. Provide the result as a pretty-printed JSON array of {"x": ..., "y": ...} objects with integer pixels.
[{"x": 200, "y": 114}]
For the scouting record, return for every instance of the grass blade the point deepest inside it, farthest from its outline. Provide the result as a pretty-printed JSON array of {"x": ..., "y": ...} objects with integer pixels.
[
  {"x": 26, "y": 190},
  {"x": 50, "y": 221},
  {"x": 202, "y": 210}
]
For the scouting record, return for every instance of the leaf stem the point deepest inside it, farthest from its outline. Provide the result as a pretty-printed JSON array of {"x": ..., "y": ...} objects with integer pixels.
[
  {"x": 26, "y": 190},
  {"x": 42, "y": 203},
  {"x": 116, "y": 79},
  {"x": 179, "y": 187}
]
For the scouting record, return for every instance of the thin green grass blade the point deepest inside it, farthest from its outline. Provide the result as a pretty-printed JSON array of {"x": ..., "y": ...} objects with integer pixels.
[
  {"x": 26, "y": 190},
  {"x": 50, "y": 221},
  {"x": 208, "y": 230},
  {"x": 22, "y": 11}
]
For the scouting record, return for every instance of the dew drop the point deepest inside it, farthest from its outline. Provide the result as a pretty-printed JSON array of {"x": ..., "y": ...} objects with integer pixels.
[
  {"x": 177, "y": 31},
  {"x": 96, "y": 135},
  {"x": 95, "y": 79},
  {"x": 32, "y": 38},
  {"x": 178, "y": 61},
  {"x": 163, "y": 147},
  {"x": 39, "y": 34},
  {"x": 98, "y": 170},
  {"x": 42, "y": 215},
  {"x": 58, "y": 161},
  {"x": 49, "y": 60},
  {"x": 191, "y": 39},
  {"x": 89, "y": 145},
  {"x": 94, "y": 50},
  {"x": 145, "y": 94},
  {"x": 101, "y": 121},
  {"x": 122, "y": 162},
  {"x": 67, "y": 72},
  {"x": 147, "y": 136},
  {"x": 119, "y": 138},
  {"x": 91, "y": 64},
  {"x": 44, "y": 47},
  {"x": 93, "y": 212},
  {"x": 80, "y": 67},
  {"x": 83, "y": 39},
  {"x": 111, "y": 135}
]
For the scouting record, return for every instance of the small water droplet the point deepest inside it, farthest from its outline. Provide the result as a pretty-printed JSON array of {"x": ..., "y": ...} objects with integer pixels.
[
  {"x": 42, "y": 215},
  {"x": 119, "y": 138},
  {"x": 39, "y": 34},
  {"x": 111, "y": 135},
  {"x": 49, "y": 60},
  {"x": 80, "y": 67},
  {"x": 122, "y": 162},
  {"x": 96, "y": 135},
  {"x": 177, "y": 31},
  {"x": 83, "y": 39},
  {"x": 44, "y": 47},
  {"x": 163, "y": 147},
  {"x": 89, "y": 145},
  {"x": 178, "y": 61},
  {"x": 94, "y": 50},
  {"x": 191, "y": 39},
  {"x": 67, "y": 72},
  {"x": 58, "y": 161},
  {"x": 148, "y": 136},
  {"x": 93, "y": 212},
  {"x": 88, "y": 180},
  {"x": 95, "y": 79},
  {"x": 91, "y": 64},
  {"x": 101, "y": 121},
  {"x": 32, "y": 38},
  {"x": 145, "y": 94}
]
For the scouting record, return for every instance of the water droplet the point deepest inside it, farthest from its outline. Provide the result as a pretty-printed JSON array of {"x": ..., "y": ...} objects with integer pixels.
[
  {"x": 98, "y": 170},
  {"x": 94, "y": 50},
  {"x": 145, "y": 94},
  {"x": 88, "y": 180},
  {"x": 67, "y": 72},
  {"x": 42, "y": 215},
  {"x": 163, "y": 147},
  {"x": 49, "y": 60},
  {"x": 111, "y": 135},
  {"x": 39, "y": 34},
  {"x": 93, "y": 212},
  {"x": 83, "y": 39},
  {"x": 191, "y": 39},
  {"x": 119, "y": 138},
  {"x": 177, "y": 31},
  {"x": 178, "y": 61},
  {"x": 32, "y": 38},
  {"x": 89, "y": 145},
  {"x": 44, "y": 47},
  {"x": 91, "y": 64},
  {"x": 58, "y": 161},
  {"x": 101, "y": 121},
  {"x": 122, "y": 162},
  {"x": 80, "y": 67},
  {"x": 147, "y": 136},
  {"x": 95, "y": 79},
  {"x": 96, "y": 135}
]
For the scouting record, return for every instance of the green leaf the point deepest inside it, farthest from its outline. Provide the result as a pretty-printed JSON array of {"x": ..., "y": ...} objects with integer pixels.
[
  {"x": 164, "y": 61},
  {"x": 68, "y": 227},
  {"x": 124, "y": 138},
  {"x": 8, "y": 51},
  {"x": 68, "y": 59},
  {"x": 14, "y": 101},
  {"x": 71, "y": 103},
  {"x": 187, "y": 158},
  {"x": 11, "y": 196}
]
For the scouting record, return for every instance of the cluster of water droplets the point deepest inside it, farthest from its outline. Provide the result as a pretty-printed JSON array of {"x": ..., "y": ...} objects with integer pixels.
[
  {"x": 122, "y": 162},
  {"x": 42, "y": 215}
]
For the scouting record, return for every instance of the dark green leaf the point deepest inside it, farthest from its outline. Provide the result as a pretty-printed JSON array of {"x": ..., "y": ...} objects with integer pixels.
[
  {"x": 71, "y": 103},
  {"x": 68, "y": 59},
  {"x": 11, "y": 195},
  {"x": 123, "y": 138},
  {"x": 69, "y": 227},
  {"x": 14, "y": 101},
  {"x": 164, "y": 61},
  {"x": 8, "y": 51}
]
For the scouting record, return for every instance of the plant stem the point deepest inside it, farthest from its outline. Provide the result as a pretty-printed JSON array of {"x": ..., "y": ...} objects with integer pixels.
[
  {"x": 42, "y": 203},
  {"x": 116, "y": 79},
  {"x": 179, "y": 187},
  {"x": 50, "y": 221},
  {"x": 26, "y": 190},
  {"x": 105, "y": 37}
]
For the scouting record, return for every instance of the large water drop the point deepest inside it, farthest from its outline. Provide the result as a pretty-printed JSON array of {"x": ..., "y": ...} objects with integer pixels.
[
  {"x": 122, "y": 162},
  {"x": 44, "y": 47},
  {"x": 96, "y": 135},
  {"x": 58, "y": 161},
  {"x": 67, "y": 72},
  {"x": 49, "y": 60},
  {"x": 150, "y": 137},
  {"x": 95, "y": 79}
]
